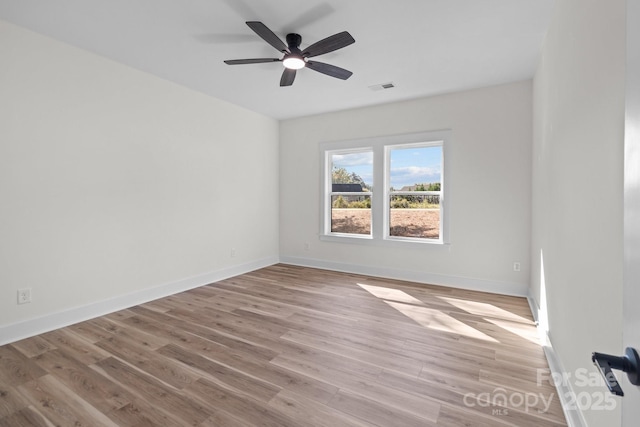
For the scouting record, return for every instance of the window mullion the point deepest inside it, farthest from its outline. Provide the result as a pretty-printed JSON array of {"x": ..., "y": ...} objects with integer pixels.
[{"x": 377, "y": 198}]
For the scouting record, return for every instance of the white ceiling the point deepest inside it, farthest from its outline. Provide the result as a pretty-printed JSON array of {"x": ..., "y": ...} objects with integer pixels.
[{"x": 424, "y": 47}]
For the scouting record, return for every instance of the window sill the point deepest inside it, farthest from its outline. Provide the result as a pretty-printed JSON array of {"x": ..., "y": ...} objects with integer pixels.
[{"x": 388, "y": 242}]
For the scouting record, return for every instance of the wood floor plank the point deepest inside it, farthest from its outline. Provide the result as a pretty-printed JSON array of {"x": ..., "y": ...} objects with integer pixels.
[
  {"x": 61, "y": 405},
  {"x": 368, "y": 389},
  {"x": 154, "y": 391},
  {"x": 150, "y": 362},
  {"x": 101, "y": 393},
  {"x": 285, "y": 379},
  {"x": 26, "y": 417},
  {"x": 141, "y": 413},
  {"x": 397, "y": 362},
  {"x": 16, "y": 368},
  {"x": 207, "y": 332},
  {"x": 241, "y": 406},
  {"x": 76, "y": 346},
  {"x": 331, "y": 359},
  {"x": 375, "y": 412},
  {"x": 456, "y": 416},
  {"x": 11, "y": 401},
  {"x": 287, "y": 346},
  {"x": 313, "y": 414},
  {"x": 359, "y": 337},
  {"x": 524, "y": 382},
  {"x": 33, "y": 346},
  {"x": 119, "y": 315},
  {"x": 452, "y": 347},
  {"x": 217, "y": 372},
  {"x": 230, "y": 321},
  {"x": 125, "y": 334},
  {"x": 221, "y": 418},
  {"x": 477, "y": 399}
]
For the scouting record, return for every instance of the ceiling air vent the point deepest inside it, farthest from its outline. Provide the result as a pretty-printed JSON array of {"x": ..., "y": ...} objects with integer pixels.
[{"x": 382, "y": 86}]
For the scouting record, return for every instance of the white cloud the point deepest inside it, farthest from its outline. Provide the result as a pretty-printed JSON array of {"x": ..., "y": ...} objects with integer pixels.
[
  {"x": 353, "y": 159},
  {"x": 410, "y": 175}
]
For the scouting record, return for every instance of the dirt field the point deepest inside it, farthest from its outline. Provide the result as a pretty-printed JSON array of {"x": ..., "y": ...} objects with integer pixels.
[{"x": 423, "y": 223}]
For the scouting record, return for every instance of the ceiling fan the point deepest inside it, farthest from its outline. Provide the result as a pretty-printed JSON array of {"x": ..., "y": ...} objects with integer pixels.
[{"x": 294, "y": 58}]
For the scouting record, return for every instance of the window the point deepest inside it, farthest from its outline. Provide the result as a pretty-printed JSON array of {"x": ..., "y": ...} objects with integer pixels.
[
  {"x": 408, "y": 206},
  {"x": 351, "y": 184},
  {"x": 414, "y": 186}
]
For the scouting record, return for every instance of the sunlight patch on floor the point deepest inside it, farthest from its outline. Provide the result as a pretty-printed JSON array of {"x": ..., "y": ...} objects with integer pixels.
[
  {"x": 430, "y": 318},
  {"x": 439, "y": 321},
  {"x": 484, "y": 309},
  {"x": 390, "y": 294},
  {"x": 529, "y": 333}
]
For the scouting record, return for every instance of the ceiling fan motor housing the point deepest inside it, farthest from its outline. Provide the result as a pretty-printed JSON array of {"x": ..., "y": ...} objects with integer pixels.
[{"x": 293, "y": 41}]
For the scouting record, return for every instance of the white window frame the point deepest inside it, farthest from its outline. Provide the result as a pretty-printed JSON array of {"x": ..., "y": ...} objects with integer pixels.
[
  {"x": 329, "y": 193},
  {"x": 381, "y": 147},
  {"x": 388, "y": 193}
]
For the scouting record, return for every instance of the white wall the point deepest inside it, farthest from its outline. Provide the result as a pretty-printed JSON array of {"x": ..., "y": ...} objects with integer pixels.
[
  {"x": 489, "y": 190},
  {"x": 116, "y": 185},
  {"x": 577, "y": 186}
]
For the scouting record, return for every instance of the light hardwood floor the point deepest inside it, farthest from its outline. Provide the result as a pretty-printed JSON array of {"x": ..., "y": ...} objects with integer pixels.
[{"x": 288, "y": 346}]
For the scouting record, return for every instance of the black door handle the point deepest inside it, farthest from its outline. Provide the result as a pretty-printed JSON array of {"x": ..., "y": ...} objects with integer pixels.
[{"x": 628, "y": 363}]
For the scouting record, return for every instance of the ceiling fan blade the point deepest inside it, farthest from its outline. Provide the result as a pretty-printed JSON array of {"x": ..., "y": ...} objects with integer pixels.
[
  {"x": 331, "y": 43},
  {"x": 329, "y": 70},
  {"x": 250, "y": 61},
  {"x": 260, "y": 29},
  {"x": 288, "y": 76}
]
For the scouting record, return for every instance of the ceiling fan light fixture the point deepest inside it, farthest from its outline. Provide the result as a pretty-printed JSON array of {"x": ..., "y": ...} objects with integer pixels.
[{"x": 293, "y": 62}]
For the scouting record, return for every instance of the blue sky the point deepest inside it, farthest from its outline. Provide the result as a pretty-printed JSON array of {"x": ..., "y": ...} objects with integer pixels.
[{"x": 409, "y": 166}]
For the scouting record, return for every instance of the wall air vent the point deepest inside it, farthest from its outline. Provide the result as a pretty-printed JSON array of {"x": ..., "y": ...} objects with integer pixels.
[{"x": 382, "y": 86}]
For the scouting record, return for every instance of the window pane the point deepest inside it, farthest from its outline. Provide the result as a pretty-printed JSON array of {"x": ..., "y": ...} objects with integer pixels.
[
  {"x": 414, "y": 216},
  {"x": 351, "y": 214},
  {"x": 354, "y": 169},
  {"x": 415, "y": 169},
  {"x": 351, "y": 173}
]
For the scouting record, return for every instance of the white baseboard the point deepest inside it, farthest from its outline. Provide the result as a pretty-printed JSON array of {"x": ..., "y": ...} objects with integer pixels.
[
  {"x": 574, "y": 416},
  {"x": 495, "y": 287},
  {"x": 49, "y": 322}
]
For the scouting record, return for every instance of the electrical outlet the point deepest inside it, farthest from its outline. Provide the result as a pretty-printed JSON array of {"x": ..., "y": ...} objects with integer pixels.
[
  {"x": 233, "y": 252},
  {"x": 24, "y": 296},
  {"x": 516, "y": 266}
]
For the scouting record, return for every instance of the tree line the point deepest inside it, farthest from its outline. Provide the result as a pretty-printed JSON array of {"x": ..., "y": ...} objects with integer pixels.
[{"x": 342, "y": 176}]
